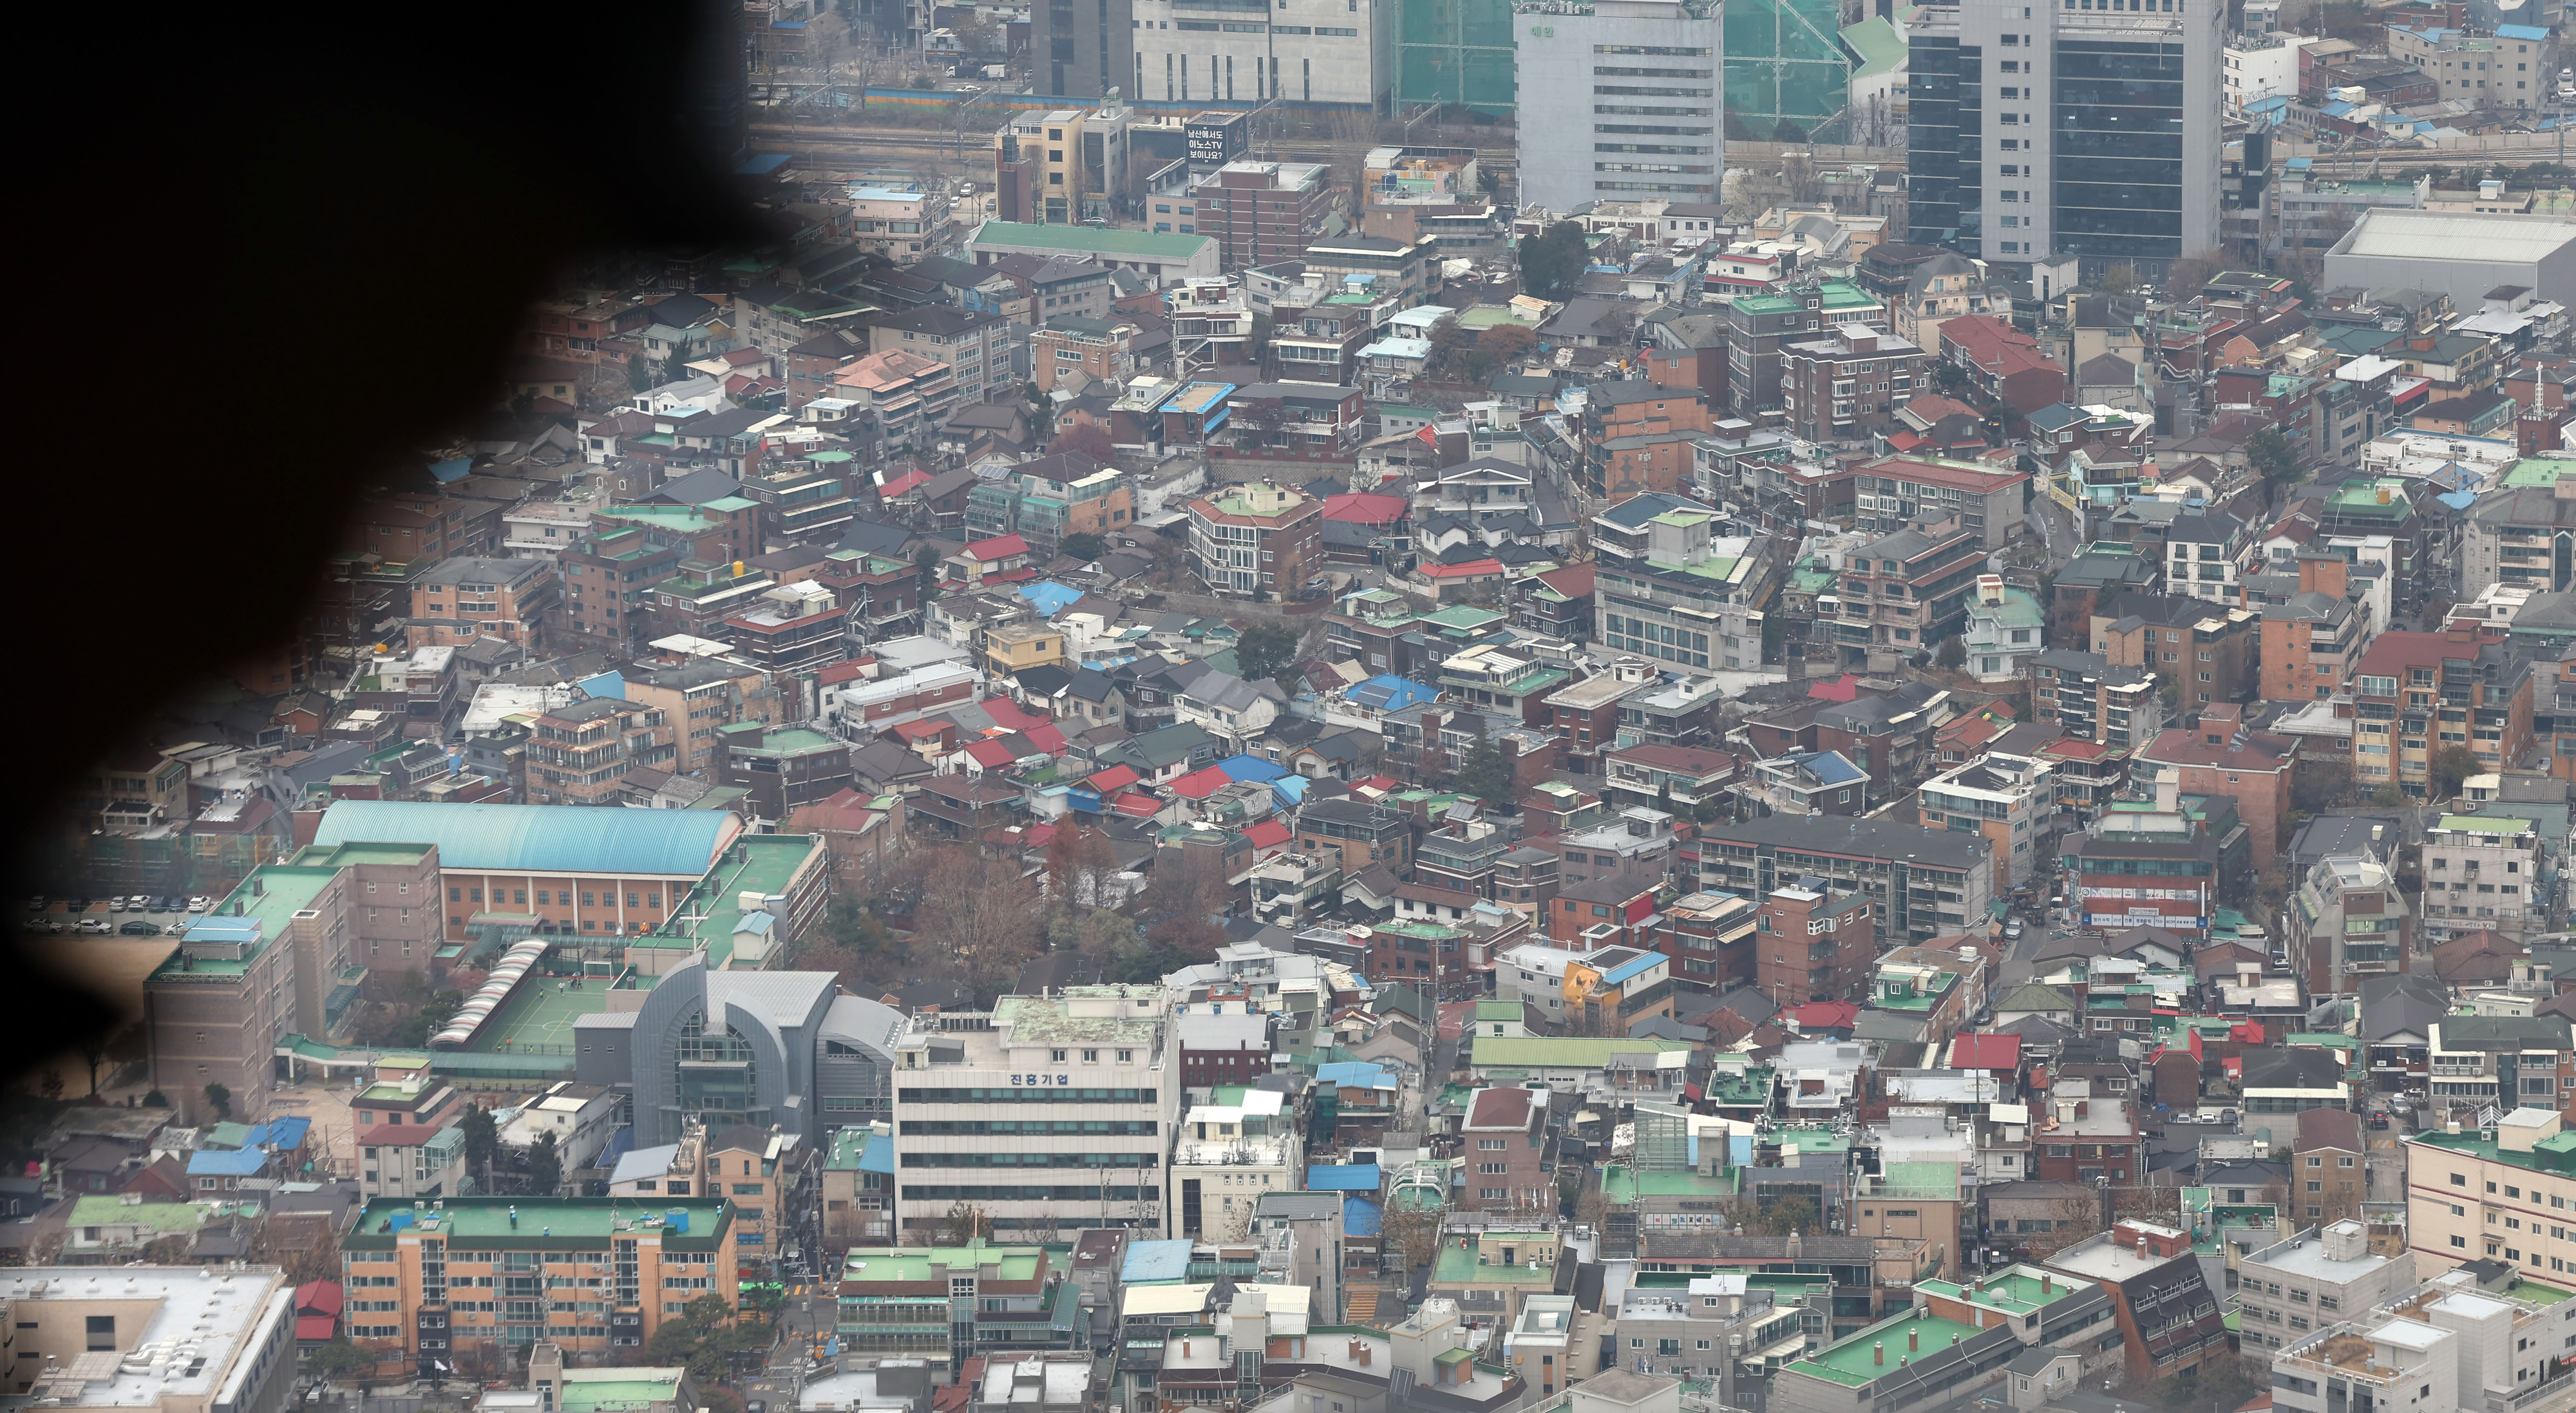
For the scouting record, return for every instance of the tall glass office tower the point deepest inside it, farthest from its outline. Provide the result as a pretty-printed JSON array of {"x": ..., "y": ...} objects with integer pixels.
[{"x": 2067, "y": 129}]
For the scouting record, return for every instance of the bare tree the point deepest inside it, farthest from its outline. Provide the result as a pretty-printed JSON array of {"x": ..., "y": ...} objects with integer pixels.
[{"x": 976, "y": 915}]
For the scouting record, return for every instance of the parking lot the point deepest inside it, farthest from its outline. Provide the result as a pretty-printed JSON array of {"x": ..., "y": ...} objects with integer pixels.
[{"x": 133, "y": 916}]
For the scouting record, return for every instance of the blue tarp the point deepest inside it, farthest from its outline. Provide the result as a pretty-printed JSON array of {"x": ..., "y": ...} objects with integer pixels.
[
  {"x": 226, "y": 1162},
  {"x": 1291, "y": 789},
  {"x": 1342, "y": 1177},
  {"x": 1156, "y": 1261},
  {"x": 1252, "y": 768},
  {"x": 1355, "y": 1074},
  {"x": 1048, "y": 597},
  {"x": 1361, "y": 1216},
  {"x": 1388, "y": 692}
]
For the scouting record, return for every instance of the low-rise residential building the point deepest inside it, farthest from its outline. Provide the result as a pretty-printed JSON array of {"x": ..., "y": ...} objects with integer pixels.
[
  {"x": 2482, "y": 874},
  {"x": 2312, "y": 1279},
  {"x": 2348, "y": 920},
  {"x": 2011, "y": 800}
]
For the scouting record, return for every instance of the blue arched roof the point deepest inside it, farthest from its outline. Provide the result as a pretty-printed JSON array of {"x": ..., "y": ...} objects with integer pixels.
[{"x": 538, "y": 838}]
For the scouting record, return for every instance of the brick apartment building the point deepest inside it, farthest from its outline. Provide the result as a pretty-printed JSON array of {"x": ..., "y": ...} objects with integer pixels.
[
  {"x": 579, "y": 754},
  {"x": 1264, "y": 212},
  {"x": 463, "y": 599},
  {"x": 2217, "y": 756},
  {"x": 2205, "y": 651},
  {"x": 1505, "y": 1136},
  {"x": 1846, "y": 385},
  {"x": 1225, "y": 1048},
  {"x": 1637, "y": 437},
  {"x": 1100, "y": 350},
  {"x": 1257, "y": 538},
  {"x": 1812, "y": 944}
]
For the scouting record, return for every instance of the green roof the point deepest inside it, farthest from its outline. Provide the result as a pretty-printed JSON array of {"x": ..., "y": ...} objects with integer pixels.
[
  {"x": 1091, "y": 240},
  {"x": 793, "y": 741},
  {"x": 1463, "y": 1265},
  {"x": 2537, "y": 1293},
  {"x": 541, "y": 1221},
  {"x": 337, "y": 855},
  {"x": 273, "y": 894},
  {"x": 766, "y": 863},
  {"x": 1621, "y": 1185},
  {"x": 2538, "y": 471},
  {"x": 869, "y": 1264},
  {"x": 112, "y": 1210},
  {"x": 1880, "y": 47},
  {"x": 1857, "y": 1361},
  {"x": 2481, "y": 824},
  {"x": 2014, "y": 1293},
  {"x": 1498, "y": 1010},
  {"x": 580, "y": 1395}
]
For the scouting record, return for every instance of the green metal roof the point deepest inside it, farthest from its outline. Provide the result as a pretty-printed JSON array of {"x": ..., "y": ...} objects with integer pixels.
[{"x": 1880, "y": 47}]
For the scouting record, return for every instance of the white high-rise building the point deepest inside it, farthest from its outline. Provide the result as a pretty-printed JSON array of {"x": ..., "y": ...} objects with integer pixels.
[
  {"x": 1049, "y": 1115},
  {"x": 1620, "y": 100},
  {"x": 2082, "y": 130}
]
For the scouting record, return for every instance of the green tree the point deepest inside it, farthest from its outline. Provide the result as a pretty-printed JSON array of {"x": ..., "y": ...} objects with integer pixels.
[
  {"x": 675, "y": 368},
  {"x": 1083, "y": 545},
  {"x": 1952, "y": 654},
  {"x": 1486, "y": 773},
  {"x": 338, "y": 1359},
  {"x": 2275, "y": 458},
  {"x": 2452, "y": 765},
  {"x": 2119, "y": 279},
  {"x": 1950, "y": 376},
  {"x": 545, "y": 1166},
  {"x": 482, "y": 1139},
  {"x": 925, "y": 561},
  {"x": 428, "y": 1019},
  {"x": 221, "y": 1099},
  {"x": 638, "y": 376},
  {"x": 1266, "y": 650},
  {"x": 1553, "y": 261}
]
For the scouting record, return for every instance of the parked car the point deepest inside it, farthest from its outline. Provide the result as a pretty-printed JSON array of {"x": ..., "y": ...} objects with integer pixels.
[
  {"x": 77, "y": 906},
  {"x": 36, "y": 904},
  {"x": 176, "y": 929},
  {"x": 94, "y": 927},
  {"x": 200, "y": 903},
  {"x": 140, "y": 929},
  {"x": 2012, "y": 930}
]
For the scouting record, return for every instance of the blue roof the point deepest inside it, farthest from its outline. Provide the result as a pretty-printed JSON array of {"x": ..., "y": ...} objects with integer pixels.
[
  {"x": 2520, "y": 32},
  {"x": 606, "y": 684},
  {"x": 538, "y": 838},
  {"x": 1361, "y": 1216},
  {"x": 1388, "y": 692},
  {"x": 226, "y": 1162},
  {"x": 1342, "y": 1177},
  {"x": 454, "y": 468},
  {"x": 2459, "y": 500},
  {"x": 2336, "y": 108},
  {"x": 761, "y": 165},
  {"x": 878, "y": 1156},
  {"x": 1156, "y": 1261},
  {"x": 1291, "y": 788},
  {"x": 1626, "y": 970},
  {"x": 1048, "y": 598},
  {"x": 1358, "y": 1074},
  {"x": 1252, "y": 768},
  {"x": 281, "y": 1133},
  {"x": 1829, "y": 766},
  {"x": 2300, "y": 164}
]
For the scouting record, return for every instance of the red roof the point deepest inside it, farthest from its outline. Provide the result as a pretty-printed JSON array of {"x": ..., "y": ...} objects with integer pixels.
[
  {"x": 1267, "y": 834},
  {"x": 1002, "y": 548},
  {"x": 1825, "y": 1015},
  {"x": 1138, "y": 806},
  {"x": 1837, "y": 689},
  {"x": 319, "y": 1297},
  {"x": 1040, "y": 835},
  {"x": 1046, "y": 738},
  {"x": 1986, "y": 1052},
  {"x": 1453, "y": 571},
  {"x": 1364, "y": 508},
  {"x": 1199, "y": 784},
  {"x": 1906, "y": 441},
  {"x": 992, "y": 755},
  {"x": 1116, "y": 777},
  {"x": 1499, "y": 1108},
  {"x": 839, "y": 672},
  {"x": 318, "y": 1328},
  {"x": 908, "y": 481},
  {"x": 1008, "y": 715},
  {"x": 922, "y": 730},
  {"x": 1010, "y": 576},
  {"x": 1573, "y": 581}
]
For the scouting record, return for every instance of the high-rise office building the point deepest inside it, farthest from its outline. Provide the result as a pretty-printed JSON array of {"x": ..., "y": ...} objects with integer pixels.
[
  {"x": 1619, "y": 101},
  {"x": 2060, "y": 132},
  {"x": 1083, "y": 48},
  {"x": 1247, "y": 51}
]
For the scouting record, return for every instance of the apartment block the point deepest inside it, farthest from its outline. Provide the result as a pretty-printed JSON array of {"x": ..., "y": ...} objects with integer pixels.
[
  {"x": 2011, "y": 800},
  {"x": 2205, "y": 651},
  {"x": 1812, "y": 944},
  {"x": 592, "y": 1276},
  {"x": 1904, "y": 592},
  {"x": 2313, "y": 1279},
  {"x": 1257, "y": 539},
  {"x": 2482, "y": 874},
  {"x": 1922, "y": 885},
  {"x": 460, "y": 600},
  {"x": 1846, "y": 387},
  {"x": 2348, "y": 920},
  {"x": 579, "y": 754}
]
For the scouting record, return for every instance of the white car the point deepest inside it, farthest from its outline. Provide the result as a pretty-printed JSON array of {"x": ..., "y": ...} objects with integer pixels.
[
  {"x": 94, "y": 927},
  {"x": 200, "y": 903},
  {"x": 176, "y": 929}
]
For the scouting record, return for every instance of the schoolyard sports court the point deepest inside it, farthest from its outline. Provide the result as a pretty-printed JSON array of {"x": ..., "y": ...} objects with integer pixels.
[{"x": 538, "y": 1017}]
